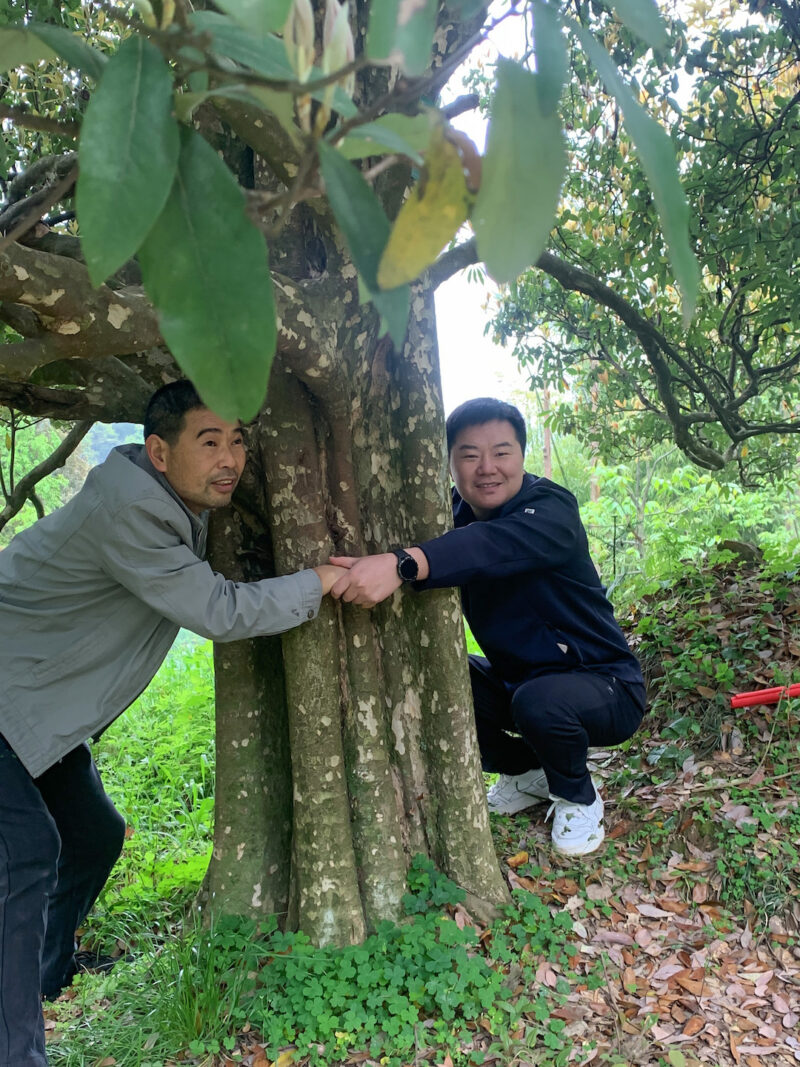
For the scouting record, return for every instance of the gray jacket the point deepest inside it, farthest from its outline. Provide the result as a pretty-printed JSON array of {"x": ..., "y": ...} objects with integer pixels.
[{"x": 93, "y": 595}]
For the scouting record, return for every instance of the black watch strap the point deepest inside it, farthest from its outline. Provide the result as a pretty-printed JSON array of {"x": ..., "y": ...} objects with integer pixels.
[{"x": 407, "y": 566}]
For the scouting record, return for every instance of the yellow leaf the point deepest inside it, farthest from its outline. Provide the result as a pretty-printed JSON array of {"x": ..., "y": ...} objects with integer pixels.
[
  {"x": 436, "y": 207},
  {"x": 517, "y": 860},
  {"x": 286, "y": 1059}
]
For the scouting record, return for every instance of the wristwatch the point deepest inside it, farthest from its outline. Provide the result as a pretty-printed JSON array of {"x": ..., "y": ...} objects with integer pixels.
[{"x": 407, "y": 566}]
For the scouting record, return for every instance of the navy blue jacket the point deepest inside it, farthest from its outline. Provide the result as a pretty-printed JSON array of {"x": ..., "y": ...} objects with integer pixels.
[{"x": 529, "y": 589}]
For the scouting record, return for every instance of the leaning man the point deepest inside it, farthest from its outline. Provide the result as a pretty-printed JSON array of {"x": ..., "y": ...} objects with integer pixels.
[
  {"x": 557, "y": 675},
  {"x": 91, "y": 599}
]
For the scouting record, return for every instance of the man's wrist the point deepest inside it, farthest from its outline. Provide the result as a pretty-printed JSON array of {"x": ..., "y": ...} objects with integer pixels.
[
  {"x": 407, "y": 565},
  {"x": 423, "y": 567}
]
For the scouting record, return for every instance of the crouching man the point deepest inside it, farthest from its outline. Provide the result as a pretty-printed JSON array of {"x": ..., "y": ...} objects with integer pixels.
[
  {"x": 557, "y": 675},
  {"x": 91, "y": 599}
]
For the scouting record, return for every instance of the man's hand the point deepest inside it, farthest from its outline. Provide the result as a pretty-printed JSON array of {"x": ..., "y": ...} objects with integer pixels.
[
  {"x": 328, "y": 575},
  {"x": 368, "y": 579}
]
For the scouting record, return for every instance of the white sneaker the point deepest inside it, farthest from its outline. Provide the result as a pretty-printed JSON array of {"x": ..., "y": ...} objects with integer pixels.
[
  {"x": 516, "y": 792},
  {"x": 577, "y": 828}
]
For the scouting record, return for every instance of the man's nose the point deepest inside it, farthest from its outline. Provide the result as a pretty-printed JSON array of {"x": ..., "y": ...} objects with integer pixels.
[
  {"x": 486, "y": 464},
  {"x": 226, "y": 457}
]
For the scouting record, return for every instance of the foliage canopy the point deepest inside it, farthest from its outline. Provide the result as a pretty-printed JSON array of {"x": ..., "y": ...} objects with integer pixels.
[
  {"x": 313, "y": 92},
  {"x": 602, "y": 315}
]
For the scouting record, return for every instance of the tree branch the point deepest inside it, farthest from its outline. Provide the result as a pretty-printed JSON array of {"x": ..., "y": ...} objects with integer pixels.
[
  {"x": 37, "y": 205},
  {"x": 20, "y": 117},
  {"x": 25, "y": 487},
  {"x": 80, "y": 322}
]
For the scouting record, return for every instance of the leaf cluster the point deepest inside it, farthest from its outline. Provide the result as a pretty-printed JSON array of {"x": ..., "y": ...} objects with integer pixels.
[
  {"x": 151, "y": 186},
  {"x": 603, "y": 318}
]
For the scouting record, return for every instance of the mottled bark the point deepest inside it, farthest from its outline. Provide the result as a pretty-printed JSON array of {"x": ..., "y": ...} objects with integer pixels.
[
  {"x": 383, "y": 749},
  {"x": 249, "y": 874},
  {"x": 347, "y": 745}
]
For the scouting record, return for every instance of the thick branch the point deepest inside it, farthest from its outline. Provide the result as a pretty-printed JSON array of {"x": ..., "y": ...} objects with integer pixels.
[
  {"x": 25, "y": 488},
  {"x": 81, "y": 322},
  {"x": 71, "y": 405}
]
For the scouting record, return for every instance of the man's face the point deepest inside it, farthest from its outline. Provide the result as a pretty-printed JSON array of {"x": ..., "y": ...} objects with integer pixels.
[
  {"x": 205, "y": 463},
  {"x": 486, "y": 462}
]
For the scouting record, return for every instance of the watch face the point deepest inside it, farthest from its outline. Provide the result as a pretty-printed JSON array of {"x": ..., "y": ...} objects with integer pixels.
[{"x": 407, "y": 568}]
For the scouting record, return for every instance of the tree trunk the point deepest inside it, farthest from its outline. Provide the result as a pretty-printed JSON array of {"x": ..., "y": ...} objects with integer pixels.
[{"x": 377, "y": 719}]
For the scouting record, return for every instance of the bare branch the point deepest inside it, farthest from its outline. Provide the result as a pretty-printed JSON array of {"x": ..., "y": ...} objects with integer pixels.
[
  {"x": 468, "y": 102},
  {"x": 38, "y": 205},
  {"x": 452, "y": 261},
  {"x": 25, "y": 487},
  {"x": 20, "y": 117}
]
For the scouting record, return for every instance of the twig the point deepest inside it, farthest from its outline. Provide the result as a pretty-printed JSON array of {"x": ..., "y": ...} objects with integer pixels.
[
  {"x": 30, "y": 218},
  {"x": 21, "y": 117},
  {"x": 25, "y": 487}
]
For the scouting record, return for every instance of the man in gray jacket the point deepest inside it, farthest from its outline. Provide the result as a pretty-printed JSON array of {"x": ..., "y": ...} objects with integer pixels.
[{"x": 91, "y": 599}]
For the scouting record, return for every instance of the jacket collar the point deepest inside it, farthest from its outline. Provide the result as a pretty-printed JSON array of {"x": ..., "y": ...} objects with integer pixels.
[{"x": 137, "y": 454}]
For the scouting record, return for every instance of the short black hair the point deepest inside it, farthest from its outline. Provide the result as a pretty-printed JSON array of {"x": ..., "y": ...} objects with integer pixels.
[
  {"x": 167, "y": 408},
  {"x": 484, "y": 409}
]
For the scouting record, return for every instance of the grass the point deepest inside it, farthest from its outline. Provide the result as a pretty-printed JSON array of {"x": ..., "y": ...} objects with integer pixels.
[
  {"x": 157, "y": 763},
  {"x": 434, "y": 989}
]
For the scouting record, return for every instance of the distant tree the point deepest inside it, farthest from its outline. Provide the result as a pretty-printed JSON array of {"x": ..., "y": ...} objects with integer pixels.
[
  {"x": 32, "y": 479},
  {"x": 600, "y": 317}
]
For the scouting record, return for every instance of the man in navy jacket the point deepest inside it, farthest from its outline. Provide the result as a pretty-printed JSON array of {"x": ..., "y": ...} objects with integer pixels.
[{"x": 557, "y": 675}]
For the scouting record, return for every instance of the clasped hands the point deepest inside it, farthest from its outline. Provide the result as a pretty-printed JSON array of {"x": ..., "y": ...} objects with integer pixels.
[{"x": 368, "y": 579}]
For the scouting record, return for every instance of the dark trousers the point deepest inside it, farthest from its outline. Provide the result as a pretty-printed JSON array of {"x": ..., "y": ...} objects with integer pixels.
[
  {"x": 550, "y": 722},
  {"x": 60, "y": 835}
]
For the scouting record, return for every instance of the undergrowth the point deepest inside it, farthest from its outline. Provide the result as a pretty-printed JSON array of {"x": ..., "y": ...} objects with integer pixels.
[
  {"x": 434, "y": 986},
  {"x": 427, "y": 983}
]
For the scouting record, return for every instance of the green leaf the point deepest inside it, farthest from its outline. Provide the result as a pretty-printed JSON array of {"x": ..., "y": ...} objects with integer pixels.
[
  {"x": 75, "y": 52},
  {"x": 21, "y": 48},
  {"x": 281, "y": 105},
  {"x": 363, "y": 222},
  {"x": 259, "y": 16},
  {"x": 264, "y": 55},
  {"x": 206, "y": 269},
  {"x": 551, "y": 55},
  {"x": 187, "y": 103},
  {"x": 523, "y": 170},
  {"x": 127, "y": 153},
  {"x": 658, "y": 161},
  {"x": 643, "y": 18},
  {"x": 405, "y": 134},
  {"x": 401, "y": 33},
  {"x": 394, "y": 306},
  {"x": 358, "y": 211},
  {"x": 341, "y": 102}
]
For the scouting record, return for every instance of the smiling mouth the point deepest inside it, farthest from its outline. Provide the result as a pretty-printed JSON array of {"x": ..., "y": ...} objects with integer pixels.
[{"x": 225, "y": 485}]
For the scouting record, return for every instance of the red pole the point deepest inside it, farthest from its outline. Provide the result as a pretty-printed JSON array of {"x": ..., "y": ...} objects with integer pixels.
[{"x": 765, "y": 696}]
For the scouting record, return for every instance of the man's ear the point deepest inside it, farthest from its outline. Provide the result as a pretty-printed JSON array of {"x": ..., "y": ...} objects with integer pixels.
[{"x": 158, "y": 451}]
